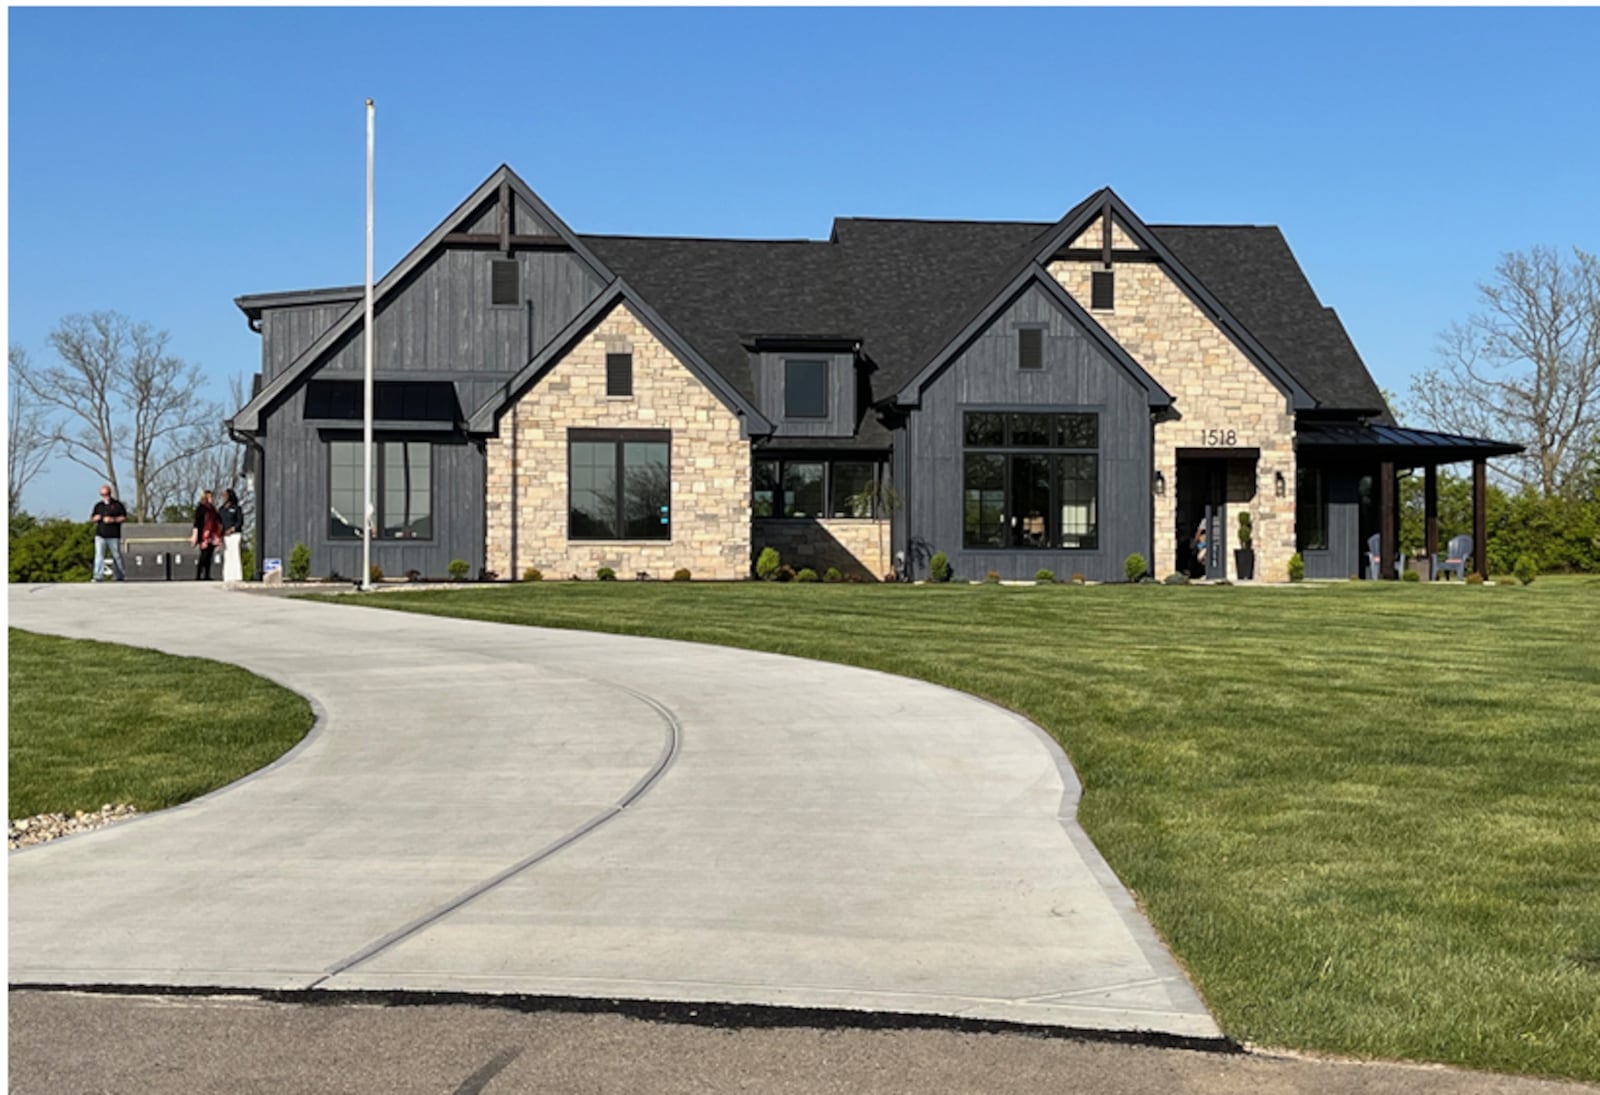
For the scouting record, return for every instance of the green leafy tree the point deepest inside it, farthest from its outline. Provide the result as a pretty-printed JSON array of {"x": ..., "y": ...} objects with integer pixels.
[{"x": 55, "y": 550}]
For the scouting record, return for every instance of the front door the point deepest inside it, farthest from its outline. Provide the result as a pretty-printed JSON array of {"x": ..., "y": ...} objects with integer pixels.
[{"x": 1202, "y": 518}]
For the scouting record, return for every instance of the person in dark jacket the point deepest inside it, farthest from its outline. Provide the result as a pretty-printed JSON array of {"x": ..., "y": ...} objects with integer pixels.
[
  {"x": 232, "y": 515},
  {"x": 206, "y": 535}
]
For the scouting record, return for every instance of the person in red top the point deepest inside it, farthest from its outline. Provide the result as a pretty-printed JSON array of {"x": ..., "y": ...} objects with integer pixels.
[{"x": 206, "y": 535}]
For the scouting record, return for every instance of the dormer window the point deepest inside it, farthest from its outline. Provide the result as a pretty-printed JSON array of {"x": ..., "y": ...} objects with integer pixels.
[
  {"x": 1030, "y": 348},
  {"x": 505, "y": 281},
  {"x": 805, "y": 389},
  {"x": 1102, "y": 291}
]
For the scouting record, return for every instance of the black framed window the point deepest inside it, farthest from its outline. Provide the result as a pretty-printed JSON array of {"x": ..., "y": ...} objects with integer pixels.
[
  {"x": 619, "y": 374},
  {"x": 805, "y": 389},
  {"x": 1030, "y": 348},
  {"x": 1031, "y": 479},
  {"x": 814, "y": 487},
  {"x": 402, "y": 491},
  {"x": 619, "y": 485},
  {"x": 505, "y": 282},
  {"x": 1102, "y": 290},
  {"x": 1311, "y": 509}
]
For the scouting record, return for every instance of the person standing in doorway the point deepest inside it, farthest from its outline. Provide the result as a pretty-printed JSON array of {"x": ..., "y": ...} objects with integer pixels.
[
  {"x": 206, "y": 535},
  {"x": 232, "y": 515},
  {"x": 109, "y": 514}
]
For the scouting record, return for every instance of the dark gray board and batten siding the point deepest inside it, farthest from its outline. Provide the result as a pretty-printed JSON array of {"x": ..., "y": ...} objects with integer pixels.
[
  {"x": 440, "y": 325},
  {"x": 840, "y": 420},
  {"x": 1344, "y": 557},
  {"x": 1077, "y": 375}
]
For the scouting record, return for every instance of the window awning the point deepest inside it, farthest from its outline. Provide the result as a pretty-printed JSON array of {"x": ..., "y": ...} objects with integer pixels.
[{"x": 1405, "y": 447}]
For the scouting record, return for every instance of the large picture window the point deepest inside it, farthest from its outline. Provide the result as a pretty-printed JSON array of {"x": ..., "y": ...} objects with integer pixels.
[
  {"x": 1031, "y": 480},
  {"x": 619, "y": 485},
  {"x": 402, "y": 490},
  {"x": 815, "y": 487}
]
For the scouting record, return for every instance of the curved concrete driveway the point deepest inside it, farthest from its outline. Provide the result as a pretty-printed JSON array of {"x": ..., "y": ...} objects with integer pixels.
[{"x": 498, "y": 809}]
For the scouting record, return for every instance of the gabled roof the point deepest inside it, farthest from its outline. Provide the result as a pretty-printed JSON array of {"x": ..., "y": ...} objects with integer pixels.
[
  {"x": 486, "y": 418},
  {"x": 248, "y": 418}
]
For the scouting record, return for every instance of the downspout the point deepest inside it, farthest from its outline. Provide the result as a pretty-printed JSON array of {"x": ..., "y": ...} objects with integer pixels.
[{"x": 250, "y": 441}]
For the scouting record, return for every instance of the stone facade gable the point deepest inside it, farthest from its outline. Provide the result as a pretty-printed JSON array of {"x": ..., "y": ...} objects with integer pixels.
[
  {"x": 1091, "y": 238},
  {"x": 1221, "y": 399},
  {"x": 528, "y": 475}
]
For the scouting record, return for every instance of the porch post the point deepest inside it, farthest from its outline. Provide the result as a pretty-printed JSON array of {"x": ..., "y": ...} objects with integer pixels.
[
  {"x": 1430, "y": 510},
  {"x": 1386, "y": 519},
  {"x": 1480, "y": 517}
]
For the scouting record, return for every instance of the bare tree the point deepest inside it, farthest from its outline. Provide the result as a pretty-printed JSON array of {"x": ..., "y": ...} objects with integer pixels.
[
  {"x": 28, "y": 435},
  {"x": 216, "y": 464},
  {"x": 124, "y": 400},
  {"x": 1526, "y": 368}
]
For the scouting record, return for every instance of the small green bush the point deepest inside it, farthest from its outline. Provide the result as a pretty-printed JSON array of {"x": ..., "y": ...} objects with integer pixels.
[
  {"x": 939, "y": 567},
  {"x": 247, "y": 561},
  {"x": 299, "y": 563},
  {"x": 606, "y": 574},
  {"x": 1044, "y": 576},
  {"x": 1474, "y": 579},
  {"x": 806, "y": 575},
  {"x": 1175, "y": 579},
  {"x": 1410, "y": 576},
  {"x": 1244, "y": 530},
  {"x": 681, "y": 574},
  {"x": 1526, "y": 569},
  {"x": 459, "y": 569},
  {"x": 1134, "y": 567},
  {"x": 1297, "y": 568},
  {"x": 832, "y": 575},
  {"x": 767, "y": 564},
  {"x": 992, "y": 578},
  {"x": 533, "y": 574}
]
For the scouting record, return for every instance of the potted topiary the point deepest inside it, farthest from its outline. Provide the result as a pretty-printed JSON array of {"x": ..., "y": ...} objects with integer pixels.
[{"x": 1244, "y": 556}]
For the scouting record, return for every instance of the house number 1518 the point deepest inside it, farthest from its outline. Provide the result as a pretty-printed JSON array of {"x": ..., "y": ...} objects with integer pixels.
[{"x": 1227, "y": 438}]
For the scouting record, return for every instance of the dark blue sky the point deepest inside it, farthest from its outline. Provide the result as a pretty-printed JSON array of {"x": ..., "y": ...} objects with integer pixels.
[{"x": 164, "y": 161}]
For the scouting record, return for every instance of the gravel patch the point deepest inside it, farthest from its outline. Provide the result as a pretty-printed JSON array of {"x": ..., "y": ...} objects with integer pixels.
[{"x": 42, "y": 827}]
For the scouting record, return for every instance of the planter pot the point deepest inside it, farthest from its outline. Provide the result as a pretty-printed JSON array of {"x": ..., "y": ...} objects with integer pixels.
[{"x": 1244, "y": 563}]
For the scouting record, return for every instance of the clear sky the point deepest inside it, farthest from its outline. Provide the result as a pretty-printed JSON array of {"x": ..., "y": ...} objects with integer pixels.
[{"x": 164, "y": 161}]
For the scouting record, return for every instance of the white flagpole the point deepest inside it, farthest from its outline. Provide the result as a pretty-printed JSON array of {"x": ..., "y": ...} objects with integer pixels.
[{"x": 367, "y": 508}]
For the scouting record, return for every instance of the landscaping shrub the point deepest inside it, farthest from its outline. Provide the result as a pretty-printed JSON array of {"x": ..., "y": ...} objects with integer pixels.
[
  {"x": 832, "y": 575},
  {"x": 606, "y": 574},
  {"x": 533, "y": 574},
  {"x": 1244, "y": 529},
  {"x": 786, "y": 573},
  {"x": 939, "y": 567},
  {"x": 1045, "y": 576},
  {"x": 459, "y": 569},
  {"x": 413, "y": 575},
  {"x": 767, "y": 564},
  {"x": 1506, "y": 580},
  {"x": 1474, "y": 579},
  {"x": 1079, "y": 579},
  {"x": 1134, "y": 567},
  {"x": 806, "y": 575},
  {"x": 1526, "y": 569},
  {"x": 992, "y": 578},
  {"x": 247, "y": 561},
  {"x": 1175, "y": 579},
  {"x": 299, "y": 563},
  {"x": 1410, "y": 576},
  {"x": 1297, "y": 568},
  {"x": 375, "y": 573},
  {"x": 53, "y": 550},
  {"x": 681, "y": 574}
]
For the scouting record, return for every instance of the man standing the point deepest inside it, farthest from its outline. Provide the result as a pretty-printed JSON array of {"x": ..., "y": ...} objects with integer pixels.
[{"x": 109, "y": 514}]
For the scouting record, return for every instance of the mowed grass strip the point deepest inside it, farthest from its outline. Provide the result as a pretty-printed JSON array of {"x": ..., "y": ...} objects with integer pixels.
[
  {"x": 1366, "y": 818},
  {"x": 92, "y": 723}
]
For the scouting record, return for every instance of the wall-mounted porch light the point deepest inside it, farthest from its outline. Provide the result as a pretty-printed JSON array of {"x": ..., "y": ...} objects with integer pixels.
[
  {"x": 1279, "y": 484},
  {"x": 1160, "y": 483}
]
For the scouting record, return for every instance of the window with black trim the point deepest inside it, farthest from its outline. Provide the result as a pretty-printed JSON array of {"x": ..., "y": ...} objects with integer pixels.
[
  {"x": 505, "y": 282},
  {"x": 805, "y": 389},
  {"x": 619, "y": 484},
  {"x": 1030, "y": 348},
  {"x": 1031, "y": 480},
  {"x": 1311, "y": 509},
  {"x": 402, "y": 490},
  {"x": 815, "y": 487},
  {"x": 619, "y": 374},
  {"x": 1102, "y": 290}
]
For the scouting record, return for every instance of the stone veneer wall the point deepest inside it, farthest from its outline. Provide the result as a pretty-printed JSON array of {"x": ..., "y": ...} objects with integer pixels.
[
  {"x": 1214, "y": 387},
  {"x": 710, "y": 464},
  {"x": 1092, "y": 238},
  {"x": 859, "y": 547}
]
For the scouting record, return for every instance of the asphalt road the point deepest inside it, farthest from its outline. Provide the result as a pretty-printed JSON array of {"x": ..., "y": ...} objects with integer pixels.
[{"x": 64, "y": 1042}]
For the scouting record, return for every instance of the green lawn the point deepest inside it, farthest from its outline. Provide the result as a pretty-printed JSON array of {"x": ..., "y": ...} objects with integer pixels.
[
  {"x": 1366, "y": 818},
  {"x": 93, "y": 723}
]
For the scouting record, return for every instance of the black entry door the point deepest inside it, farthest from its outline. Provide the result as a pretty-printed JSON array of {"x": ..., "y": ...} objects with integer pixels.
[{"x": 1202, "y": 504}]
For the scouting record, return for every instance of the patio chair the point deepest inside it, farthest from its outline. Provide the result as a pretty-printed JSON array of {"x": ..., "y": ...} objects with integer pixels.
[
  {"x": 1456, "y": 554},
  {"x": 1374, "y": 559}
]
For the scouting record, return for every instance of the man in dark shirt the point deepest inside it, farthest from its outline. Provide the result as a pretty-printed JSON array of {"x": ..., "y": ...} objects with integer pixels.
[{"x": 109, "y": 514}]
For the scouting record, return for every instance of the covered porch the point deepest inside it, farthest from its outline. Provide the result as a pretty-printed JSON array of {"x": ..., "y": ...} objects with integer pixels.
[{"x": 1350, "y": 476}]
